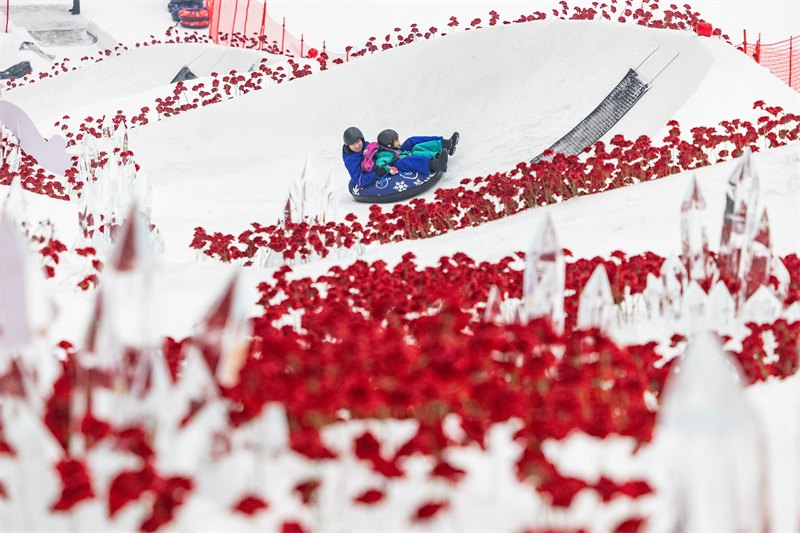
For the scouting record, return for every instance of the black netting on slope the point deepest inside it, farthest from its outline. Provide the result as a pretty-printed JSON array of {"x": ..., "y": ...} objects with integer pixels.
[
  {"x": 618, "y": 102},
  {"x": 183, "y": 75}
]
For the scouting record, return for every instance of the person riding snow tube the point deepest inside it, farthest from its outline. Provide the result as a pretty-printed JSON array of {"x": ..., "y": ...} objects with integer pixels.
[{"x": 387, "y": 171}]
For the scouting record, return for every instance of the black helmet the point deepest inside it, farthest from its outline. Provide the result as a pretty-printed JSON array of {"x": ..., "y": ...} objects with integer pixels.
[
  {"x": 352, "y": 134},
  {"x": 386, "y": 138}
]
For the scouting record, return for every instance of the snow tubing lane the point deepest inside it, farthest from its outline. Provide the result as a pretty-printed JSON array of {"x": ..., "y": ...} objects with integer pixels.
[
  {"x": 395, "y": 188},
  {"x": 618, "y": 102}
]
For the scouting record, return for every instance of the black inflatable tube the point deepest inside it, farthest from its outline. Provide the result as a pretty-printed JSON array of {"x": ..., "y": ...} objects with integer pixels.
[{"x": 398, "y": 196}]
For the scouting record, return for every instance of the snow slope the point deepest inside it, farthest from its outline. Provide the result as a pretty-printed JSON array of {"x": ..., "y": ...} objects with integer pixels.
[{"x": 552, "y": 75}]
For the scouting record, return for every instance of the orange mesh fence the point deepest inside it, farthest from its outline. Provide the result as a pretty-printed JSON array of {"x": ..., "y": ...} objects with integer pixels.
[
  {"x": 782, "y": 59},
  {"x": 246, "y": 24}
]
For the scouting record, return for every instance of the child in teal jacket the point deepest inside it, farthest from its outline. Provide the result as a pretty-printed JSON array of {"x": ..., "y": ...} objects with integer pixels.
[{"x": 416, "y": 154}]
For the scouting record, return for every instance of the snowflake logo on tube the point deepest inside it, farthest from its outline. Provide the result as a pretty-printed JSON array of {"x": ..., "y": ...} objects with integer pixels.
[
  {"x": 417, "y": 182},
  {"x": 400, "y": 186}
]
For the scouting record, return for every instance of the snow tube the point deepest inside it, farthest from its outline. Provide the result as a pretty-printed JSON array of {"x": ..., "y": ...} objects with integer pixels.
[
  {"x": 194, "y": 18},
  {"x": 19, "y": 70},
  {"x": 176, "y": 5},
  {"x": 401, "y": 186}
]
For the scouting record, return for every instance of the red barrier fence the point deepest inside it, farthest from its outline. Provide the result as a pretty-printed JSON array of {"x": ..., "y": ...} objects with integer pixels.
[
  {"x": 782, "y": 59},
  {"x": 245, "y": 23}
]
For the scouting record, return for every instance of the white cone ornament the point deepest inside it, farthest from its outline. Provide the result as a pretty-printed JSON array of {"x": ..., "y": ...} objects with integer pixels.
[
  {"x": 721, "y": 310},
  {"x": 200, "y": 415},
  {"x": 107, "y": 129},
  {"x": 596, "y": 307},
  {"x": 494, "y": 312},
  {"x": 15, "y": 207},
  {"x": 128, "y": 287},
  {"x": 741, "y": 203},
  {"x": 13, "y": 159},
  {"x": 694, "y": 310},
  {"x": 712, "y": 445},
  {"x": 758, "y": 259},
  {"x": 328, "y": 201},
  {"x": 696, "y": 257},
  {"x": 674, "y": 279},
  {"x": 763, "y": 307},
  {"x": 544, "y": 278},
  {"x": 781, "y": 273},
  {"x": 224, "y": 334},
  {"x": 308, "y": 186},
  {"x": 654, "y": 295},
  {"x": 292, "y": 210}
]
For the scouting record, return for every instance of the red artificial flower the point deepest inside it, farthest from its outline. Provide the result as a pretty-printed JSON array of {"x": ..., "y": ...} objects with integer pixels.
[
  {"x": 292, "y": 527},
  {"x": 307, "y": 490},
  {"x": 170, "y": 494},
  {"x": 93, "y": 429},
  {"x": 632, "y": 525},
  {"x": 369, "y": 497},
  {"x": 250, "y": 505},
  {"x": 76, "y": 485},
  {"x": 427, "y": 511},
  {"x": 134, "y": 440},
  {"x": 129, "y": 486},
  {"x": 445, "y": 470}
]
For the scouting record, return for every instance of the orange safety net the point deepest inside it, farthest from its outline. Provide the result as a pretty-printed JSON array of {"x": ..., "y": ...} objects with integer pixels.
[
  {"x": 246, "y": 24},
  {"x": 782, "y": 59}
]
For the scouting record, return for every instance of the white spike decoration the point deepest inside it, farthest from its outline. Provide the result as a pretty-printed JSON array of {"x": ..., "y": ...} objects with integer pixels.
[
  {"x": 694, "y": 308},
  {"x": 596, "y": 307},
  {"x": 654, "y": 295},
  {"x": 762, "y": 307},
  {"x": 756, "y": 266},
  {"x": 740, "y": 217},
  {"x": 493, "y": 312},
  {"x": 545, "y": 272},
  {"x": 721, "y": 309},
  {"x": 674, "y": 279},
  {"x": 15, "y": 207},
  {"x": 308, "y": 190},
  {"x": 328, "y": 201},
  {"x": 696, "y": 257},
  {"x": 778, "y": 269}
]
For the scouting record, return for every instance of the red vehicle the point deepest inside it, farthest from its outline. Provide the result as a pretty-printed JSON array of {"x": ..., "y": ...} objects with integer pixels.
[{"x": 193, "y": 18}]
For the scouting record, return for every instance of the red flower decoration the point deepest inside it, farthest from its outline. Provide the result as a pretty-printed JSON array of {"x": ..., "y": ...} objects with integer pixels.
[
  {"x": 76, "y": 484},
  {"x": 250, "y": 505},
  {"x": 369, "y": 497}
]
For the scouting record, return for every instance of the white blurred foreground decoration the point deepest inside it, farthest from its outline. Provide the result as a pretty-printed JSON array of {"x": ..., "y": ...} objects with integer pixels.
[{"x": 713, "y": 446}]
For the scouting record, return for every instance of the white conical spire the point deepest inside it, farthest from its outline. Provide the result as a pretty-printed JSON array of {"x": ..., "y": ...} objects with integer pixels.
[
  {"x": 308, "y": 192},
  {"x": 328, "y": 201},
  {"x": 693, "y": 232},
  {"x": 694, "y": 308},
  {"x": 763, "y": 307},
  {"x": 224, "y": 334},
  {"x": 493, "y": 312},
  {"x": 756, "y": 269},
  {"x": 545, "y": 272},
  {"x": 596, "y": 307},
  {"x": 674, "y": 277},
  {"x": 740, "y": 217},
  {"x": 721, "y": 309}
]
